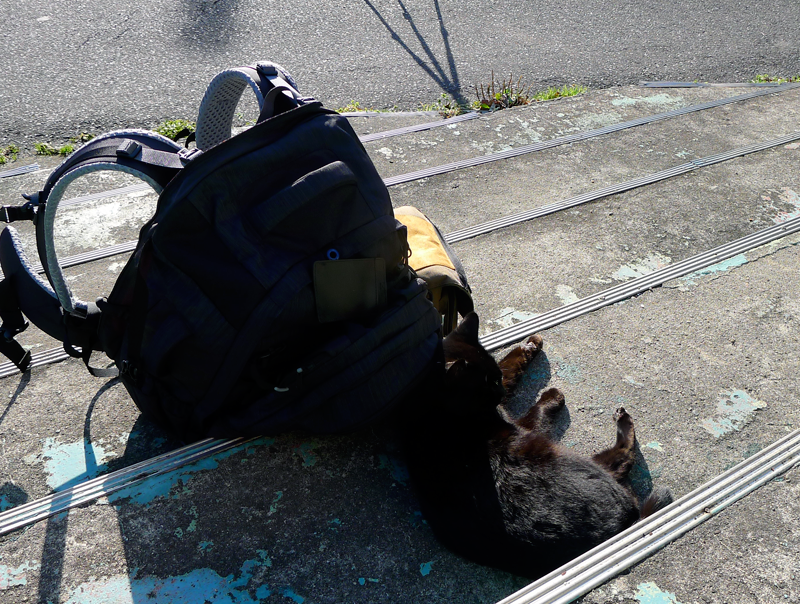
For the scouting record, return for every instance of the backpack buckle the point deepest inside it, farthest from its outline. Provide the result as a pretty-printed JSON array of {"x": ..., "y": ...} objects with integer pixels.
[{"x": 187, "y": 155}]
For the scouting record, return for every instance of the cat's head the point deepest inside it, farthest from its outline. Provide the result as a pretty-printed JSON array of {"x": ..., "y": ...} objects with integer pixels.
[{"x": 471, "y": 372}]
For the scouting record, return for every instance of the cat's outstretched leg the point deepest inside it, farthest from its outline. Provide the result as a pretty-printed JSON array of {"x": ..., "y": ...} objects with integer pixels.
[
  {"x": 540, "y": 417},
  {"x": 514, "y": 363},
  {"x": 619, "y": 459}
]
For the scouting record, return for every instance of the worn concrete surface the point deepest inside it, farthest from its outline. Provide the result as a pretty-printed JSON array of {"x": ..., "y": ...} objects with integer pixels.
[{"x": 706, "y": 365}]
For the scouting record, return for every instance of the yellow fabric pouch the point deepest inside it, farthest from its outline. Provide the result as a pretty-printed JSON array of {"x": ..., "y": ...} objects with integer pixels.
[{"x": 436, "y": 263}]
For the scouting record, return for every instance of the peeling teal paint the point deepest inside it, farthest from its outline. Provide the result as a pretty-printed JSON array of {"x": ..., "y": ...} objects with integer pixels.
[
  {"x": 642, "y": 267},
  {"x": 5, "y": 503},
  {"x": 11, "y": 577},
  {"x": 305, "y": 451},
  {"x": 715, "y": 269},
  {"x": 205, "y": 545},
  {"x": 735, "y": 409},
  {"x": 397, "y": 469},
  {"x": 68, "y": 464},
  {"x": 290, "y": 593},
  {"x": 510, "y": 316},
  {"x": 425, "y": 568},
  {"x": 273, "y": 507},
  {"x": 263, "y": 592},
  {"x": 362, "y": 581},
  {"x": 569, "y": 372},
  {"x": 649, "y": 593},
  {"x": 655, "y": 445},
  {"x": 200, "y": 585},
  {"x": 164, "y": 485}
]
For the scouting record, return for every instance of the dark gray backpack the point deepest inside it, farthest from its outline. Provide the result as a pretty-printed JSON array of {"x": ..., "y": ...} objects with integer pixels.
[{"x": 270, "y": 290}]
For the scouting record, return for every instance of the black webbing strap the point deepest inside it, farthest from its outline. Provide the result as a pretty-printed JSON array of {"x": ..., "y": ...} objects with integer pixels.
[
  {"x": 13, "y": 323},
  {"x": 277, "y": 96}
]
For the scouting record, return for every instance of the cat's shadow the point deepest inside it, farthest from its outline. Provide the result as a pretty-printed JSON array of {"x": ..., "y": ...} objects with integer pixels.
[{"x": 534, "y": 381}]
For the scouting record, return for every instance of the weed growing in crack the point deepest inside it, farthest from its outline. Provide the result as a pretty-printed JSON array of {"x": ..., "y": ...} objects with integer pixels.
[
  {"x": 554, "y": 93},
  {"x": 501, "y": 95},
  {"x": 505, "y": 94},
  {"x": 48, "y": 149},
  {"x": 8, "y": 153},
  {"x": 445, "y": 105},
  {"x": 175, "y": 129},
  {"x": 768, "y": 79}
]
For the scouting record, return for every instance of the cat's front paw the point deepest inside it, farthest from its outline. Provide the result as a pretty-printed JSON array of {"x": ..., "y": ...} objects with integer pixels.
[{"x": 533, "y": 344}]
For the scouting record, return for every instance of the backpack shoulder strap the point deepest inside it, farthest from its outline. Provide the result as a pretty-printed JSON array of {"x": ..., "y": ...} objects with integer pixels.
[
  {"x": 146, "y": 155},
  {"x": 274, "y": 87}
]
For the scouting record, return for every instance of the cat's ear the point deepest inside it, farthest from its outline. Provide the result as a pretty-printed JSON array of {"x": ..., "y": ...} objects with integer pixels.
[
  {"x": 455, "y": 369},
  {"x": 468, "y": 328}
]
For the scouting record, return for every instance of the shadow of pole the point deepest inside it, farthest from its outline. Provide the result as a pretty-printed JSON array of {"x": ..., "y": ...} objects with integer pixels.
[
  {"x": 450, "y": 83},
  {"x": 54, "y": 550}
]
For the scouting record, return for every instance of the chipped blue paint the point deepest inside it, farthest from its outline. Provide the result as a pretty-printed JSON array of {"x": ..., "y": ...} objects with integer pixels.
[
  {"x": 305, "y": 451},
  {"x": 11, "y": 577},
  {"x": 362, "y": 581},
  {"x": 734, "y": 410},
  {"x": 569, "y": 372},
  {"x": 715, "y": 269},
  {"x": 639, "y": 268},
  {"x": 397, "y": 469},
  {"x": 5, "y": 503},
  {"x": 200, "y": 585},
  {"x": 649, "y": 593},
  {"x": 273, "y": 507},
  {"x": 425, "y": 568},
  {"x": 68, "y": 464},
  {"x": 204, "y": 545},
  {"x": 263, "y": 592},
  {"x": 655, "y": 445},
  {"x": 510, "y": 316},
  {"x": 164, "y": 485},
  {"x": 288, "y": 592}
]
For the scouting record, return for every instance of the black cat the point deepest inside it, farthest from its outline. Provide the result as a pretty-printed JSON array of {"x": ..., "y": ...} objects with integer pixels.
[{"x": 499, "y": 491}]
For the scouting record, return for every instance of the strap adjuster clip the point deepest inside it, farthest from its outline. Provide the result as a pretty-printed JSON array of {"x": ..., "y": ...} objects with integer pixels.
[{"x": 129, "y": 149}]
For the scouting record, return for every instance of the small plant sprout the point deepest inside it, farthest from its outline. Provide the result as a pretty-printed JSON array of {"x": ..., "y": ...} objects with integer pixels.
[
  {"x": 8, "y": 153},
  {"x": 768, "y": 79},
  {"x": 501, "y": 95},
  {"x": 508, "y": 93},
  {"x": 48, "y": 149},
  {"x": 445, "y": 105},
  {"x": 175, "y": 129}
]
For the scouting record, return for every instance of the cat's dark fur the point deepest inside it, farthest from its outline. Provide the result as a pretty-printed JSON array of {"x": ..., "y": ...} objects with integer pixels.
[{"x": 500, "y": 492}]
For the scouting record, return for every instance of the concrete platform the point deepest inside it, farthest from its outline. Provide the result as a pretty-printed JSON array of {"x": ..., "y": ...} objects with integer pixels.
[{"x": 707, "y": 365}]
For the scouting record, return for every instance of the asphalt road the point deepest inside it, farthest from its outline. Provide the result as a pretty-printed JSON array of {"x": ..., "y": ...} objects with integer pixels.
[{"x": 69, "y": 66}]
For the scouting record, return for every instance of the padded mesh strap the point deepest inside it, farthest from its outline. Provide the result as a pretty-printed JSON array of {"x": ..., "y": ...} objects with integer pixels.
[
  {"x": 218, "y": 107},
  {"x": 146, "y": 155}
]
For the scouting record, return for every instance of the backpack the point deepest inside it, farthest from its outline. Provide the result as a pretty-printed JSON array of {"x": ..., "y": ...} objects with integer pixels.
[{"x": 271, "y": 289}]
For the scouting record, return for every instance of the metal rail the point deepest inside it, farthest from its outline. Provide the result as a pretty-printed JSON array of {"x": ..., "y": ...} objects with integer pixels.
[
  {"x": 499, "y": 223},
  {"x": 644, "y": 538},
  {"x": 102, "y": 486},
  {"x": 631, "y": 288}
]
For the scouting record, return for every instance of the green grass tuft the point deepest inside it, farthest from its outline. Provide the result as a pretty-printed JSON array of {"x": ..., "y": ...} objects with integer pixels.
[
  {"x": 508, "y": 93},
  {"x": 767, "y": 79},
  {"x": 175, "y": 129},
  {"x": 8, "y": 154},
  {"x": 554, "y": 93},
  {"x": 445, "y": 105}
]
